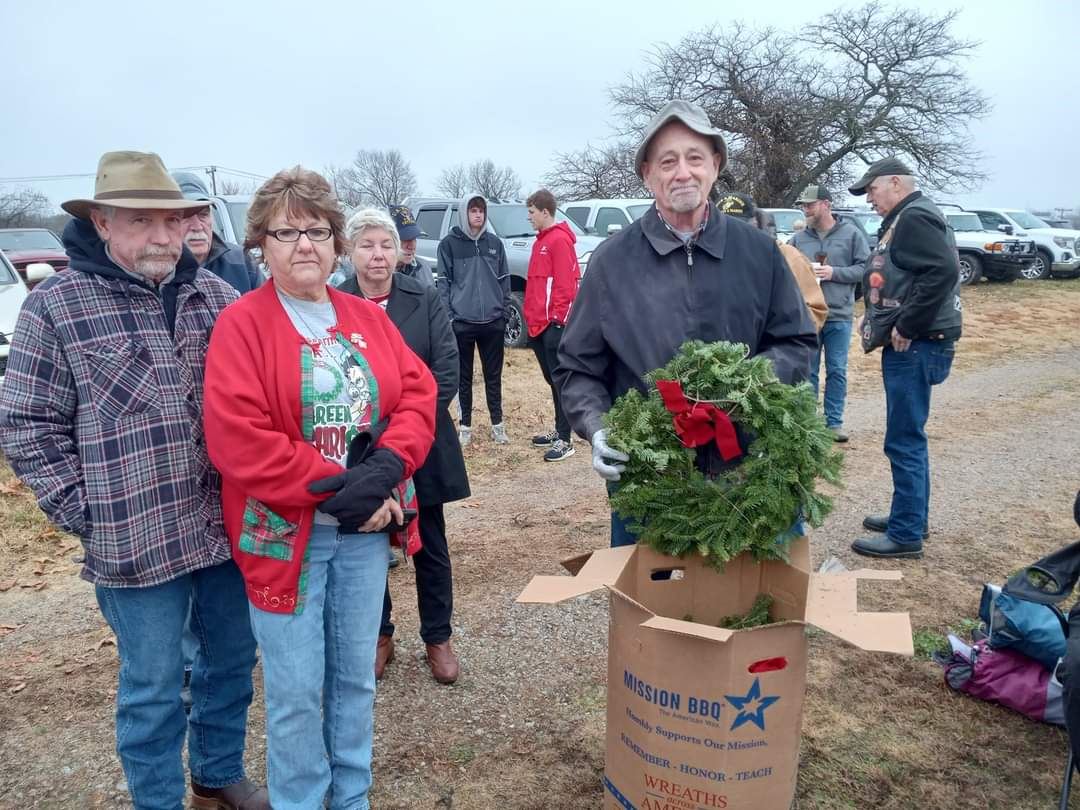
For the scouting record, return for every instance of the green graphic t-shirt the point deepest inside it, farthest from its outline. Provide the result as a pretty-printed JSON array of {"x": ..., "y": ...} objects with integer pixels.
[{"x": 341, "y": 387}]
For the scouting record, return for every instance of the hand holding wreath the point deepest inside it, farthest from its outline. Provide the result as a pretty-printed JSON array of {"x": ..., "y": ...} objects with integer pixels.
[{"x": 712, "y": 394}]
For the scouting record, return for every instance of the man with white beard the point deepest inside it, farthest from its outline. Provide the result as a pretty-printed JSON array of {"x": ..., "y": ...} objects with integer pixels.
[
  {"x": 227, "y": 261},
  {"x": 682, "y": 271},
  {"x": 101, "y": 416}
]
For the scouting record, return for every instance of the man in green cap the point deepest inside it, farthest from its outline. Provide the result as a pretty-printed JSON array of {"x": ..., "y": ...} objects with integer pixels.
[
  {"x": 912, "y": 290},
  {"x": 838, "y": 250}
]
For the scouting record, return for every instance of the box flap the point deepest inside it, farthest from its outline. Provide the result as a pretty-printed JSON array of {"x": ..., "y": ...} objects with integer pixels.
[
  {"x": 600, "y": 570},
  {"x": 689, "y": 628},
  {"x": 832, "y": 605}
]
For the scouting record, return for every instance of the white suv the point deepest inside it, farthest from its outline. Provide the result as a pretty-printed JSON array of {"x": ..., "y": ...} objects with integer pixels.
[
  {"x": 1057, "y": 250},
  {"x": 605, "y": 217}
]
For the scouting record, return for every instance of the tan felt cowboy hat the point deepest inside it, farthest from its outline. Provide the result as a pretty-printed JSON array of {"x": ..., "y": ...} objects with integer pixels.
[{"x": 132, "y": 180}]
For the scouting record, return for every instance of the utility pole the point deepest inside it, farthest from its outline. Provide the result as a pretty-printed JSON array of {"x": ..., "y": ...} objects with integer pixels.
[{"x": 210, "y": 170}]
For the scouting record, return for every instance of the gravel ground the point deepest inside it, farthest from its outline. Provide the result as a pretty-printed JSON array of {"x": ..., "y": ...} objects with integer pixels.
[{"x": 524, "y": 726}]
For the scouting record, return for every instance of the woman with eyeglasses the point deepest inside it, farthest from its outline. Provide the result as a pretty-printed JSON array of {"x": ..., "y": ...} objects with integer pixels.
[{"x": 315, "y": 410}]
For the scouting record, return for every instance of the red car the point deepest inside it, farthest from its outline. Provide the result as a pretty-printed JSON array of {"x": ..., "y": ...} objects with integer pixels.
[{"x": 26, "y": 246}]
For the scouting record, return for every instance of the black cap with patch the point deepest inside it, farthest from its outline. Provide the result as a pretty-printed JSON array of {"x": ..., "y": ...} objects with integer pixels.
[
  {"x": 737, "y": 204},
  {"x": 880, "y": 168}
]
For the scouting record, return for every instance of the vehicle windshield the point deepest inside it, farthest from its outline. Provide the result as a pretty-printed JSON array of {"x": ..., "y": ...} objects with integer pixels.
[
  {"x": 509, "y": 221},
  {"x": 636, "y": 211},
  {"x": 238, "y": 216},
  {"x": 965, "y": 222},
  {"x": 7, "y": 272},
  {"x": 29, "y": 240},
  {"x": 785, "y": 220},
  {"x": 1026, "y": 220}
]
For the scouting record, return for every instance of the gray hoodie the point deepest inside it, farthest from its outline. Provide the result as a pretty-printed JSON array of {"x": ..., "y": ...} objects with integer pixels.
[
  {"x": 848, "y": 250},
  {"x": 474, "y": 275}
]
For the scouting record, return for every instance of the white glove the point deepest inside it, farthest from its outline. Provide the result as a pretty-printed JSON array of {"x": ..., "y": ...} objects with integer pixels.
[{"x": 602, "y": 455}]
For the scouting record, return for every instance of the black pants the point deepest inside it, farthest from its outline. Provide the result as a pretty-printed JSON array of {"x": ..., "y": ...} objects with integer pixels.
[
  {"x": 546, "y": 347},
  {"x": 434, "y": 583},
  {"x": 488, "y": 337}
]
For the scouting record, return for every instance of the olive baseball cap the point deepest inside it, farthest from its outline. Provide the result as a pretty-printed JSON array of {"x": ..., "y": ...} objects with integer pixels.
[
  {"x": 689, "y": 114},
  {"x": 813, "y": 194},
  {"x": 879, "y": 168}
]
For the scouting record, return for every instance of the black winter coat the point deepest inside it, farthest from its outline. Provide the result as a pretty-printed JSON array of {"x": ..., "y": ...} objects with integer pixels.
[
  {"x": 418, "y": 313},
  {"x": 646, "y": 293}
]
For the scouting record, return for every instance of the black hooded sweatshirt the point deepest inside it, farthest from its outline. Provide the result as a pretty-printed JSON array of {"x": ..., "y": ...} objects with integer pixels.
[{"x": 87, "y": 254}]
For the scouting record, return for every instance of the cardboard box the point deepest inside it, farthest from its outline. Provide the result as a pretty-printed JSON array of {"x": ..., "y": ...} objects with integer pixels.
[{"x": 700, "y": 717}]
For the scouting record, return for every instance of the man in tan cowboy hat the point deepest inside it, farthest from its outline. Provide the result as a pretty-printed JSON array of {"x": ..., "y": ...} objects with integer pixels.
[{"x": 101, "y": 416}]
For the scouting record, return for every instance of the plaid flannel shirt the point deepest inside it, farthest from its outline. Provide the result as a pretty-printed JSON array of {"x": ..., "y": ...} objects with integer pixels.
[{"x": 101, "y": 416}]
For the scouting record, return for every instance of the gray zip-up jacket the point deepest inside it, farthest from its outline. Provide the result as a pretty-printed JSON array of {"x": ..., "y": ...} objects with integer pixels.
[
  {"x": 474, "y": 275},
  {"x": 848, "y": 250}
]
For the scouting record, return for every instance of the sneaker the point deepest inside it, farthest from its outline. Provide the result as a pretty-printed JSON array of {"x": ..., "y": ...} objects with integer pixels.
[
  {"x": 838, "y": 435},
  {"x": 498, "y": 434},
  {"x": 464, "y": 435},
  {"x": 545, "y": 439},
  {"x": 559, "y": 450}
]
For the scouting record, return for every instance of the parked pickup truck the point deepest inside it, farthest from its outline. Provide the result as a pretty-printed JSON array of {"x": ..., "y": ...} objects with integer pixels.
[
  {"x": 987, "y": 253},
  {"x": 508, "y": 221},
  {"x": 1057, "y": 250}
]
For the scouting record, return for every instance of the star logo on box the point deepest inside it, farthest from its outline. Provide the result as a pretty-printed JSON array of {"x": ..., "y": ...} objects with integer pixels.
[{"x": 751, "y": 708}]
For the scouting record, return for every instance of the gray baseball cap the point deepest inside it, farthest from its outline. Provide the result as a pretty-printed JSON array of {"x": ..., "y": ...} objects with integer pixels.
[
  {"x": 879, "y": 168},
  {"x": 693, "y": 117}
]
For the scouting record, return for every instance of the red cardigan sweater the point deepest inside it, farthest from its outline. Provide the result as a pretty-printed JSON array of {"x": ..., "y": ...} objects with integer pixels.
[{"x": 257, "y": 418}]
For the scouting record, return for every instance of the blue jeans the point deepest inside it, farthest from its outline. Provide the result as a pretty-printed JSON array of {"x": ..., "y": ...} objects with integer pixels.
[
  {"x": 908, "y": 378},
  {"x": 835, "y": 338},
  {"x": 150, "y": 720},
  {"x": 319, "y": 675}
]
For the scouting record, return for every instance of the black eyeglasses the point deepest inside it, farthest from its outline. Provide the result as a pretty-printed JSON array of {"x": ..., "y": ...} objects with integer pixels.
[{"x": 294, "y": 234}]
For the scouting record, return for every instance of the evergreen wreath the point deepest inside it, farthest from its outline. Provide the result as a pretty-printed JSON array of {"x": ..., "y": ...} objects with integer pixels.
[{"x": 674, "y": 507}]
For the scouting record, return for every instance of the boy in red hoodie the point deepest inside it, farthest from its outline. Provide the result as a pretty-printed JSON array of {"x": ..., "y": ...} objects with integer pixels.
[{"x": 550, "y": 288}]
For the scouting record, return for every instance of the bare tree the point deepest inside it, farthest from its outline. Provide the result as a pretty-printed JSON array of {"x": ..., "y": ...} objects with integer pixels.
[
  {"x": 595, "y": 171},
  {"x": 376, "y": 177},
  {"x": 482, "y": 177},
  {"x": 22, "y": 208},
  {"x": 806, "y": 107},
  {"x": 236, "y": 187},
  {"x": 453, "y": 182}
]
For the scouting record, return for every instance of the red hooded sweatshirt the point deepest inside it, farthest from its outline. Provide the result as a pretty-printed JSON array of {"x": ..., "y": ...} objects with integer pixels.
[{"x": 553, "y": 278}]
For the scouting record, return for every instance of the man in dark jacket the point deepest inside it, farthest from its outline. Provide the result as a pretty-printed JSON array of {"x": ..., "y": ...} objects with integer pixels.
[
  {"x": 101, "y": 416},
  {"x": 408, "y": 232},
  {"x": 913, "y": 312},
  {"x": 839, "y": 251},
  {"x": 227, "y": 261},
  {"x": 682, "y": 271},
  {"x": 474, "y": 281}
]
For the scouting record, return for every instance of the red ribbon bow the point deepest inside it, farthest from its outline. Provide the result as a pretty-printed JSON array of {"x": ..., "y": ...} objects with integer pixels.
[{"x": 696, "y": 424}]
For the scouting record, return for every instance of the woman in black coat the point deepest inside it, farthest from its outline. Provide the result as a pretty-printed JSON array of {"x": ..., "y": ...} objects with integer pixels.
[{"x": 420, "y": 316}]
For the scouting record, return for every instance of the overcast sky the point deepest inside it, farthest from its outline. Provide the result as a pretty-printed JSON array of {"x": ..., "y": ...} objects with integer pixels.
[{"x": 258, "y": 86}]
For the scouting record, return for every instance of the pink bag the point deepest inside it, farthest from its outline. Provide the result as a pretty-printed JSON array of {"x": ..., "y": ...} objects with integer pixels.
[{"x": 1006, "y": 677}]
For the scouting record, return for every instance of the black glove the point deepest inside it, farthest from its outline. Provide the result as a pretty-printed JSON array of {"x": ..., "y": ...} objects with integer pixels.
[{"x": 361, "y": 489}]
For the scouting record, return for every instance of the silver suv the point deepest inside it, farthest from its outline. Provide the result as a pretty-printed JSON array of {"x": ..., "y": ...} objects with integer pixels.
[{"x": 508, "y": 221}]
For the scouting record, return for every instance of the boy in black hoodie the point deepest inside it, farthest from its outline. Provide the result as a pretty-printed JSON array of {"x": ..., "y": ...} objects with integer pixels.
[{"x": 474, "y": 281}]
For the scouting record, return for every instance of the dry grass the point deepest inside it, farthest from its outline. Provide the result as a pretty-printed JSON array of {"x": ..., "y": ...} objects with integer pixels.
[{"x": 526, "y": 723}]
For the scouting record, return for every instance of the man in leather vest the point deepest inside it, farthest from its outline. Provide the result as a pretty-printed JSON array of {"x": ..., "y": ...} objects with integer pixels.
[{"x": 912, "y": 291}]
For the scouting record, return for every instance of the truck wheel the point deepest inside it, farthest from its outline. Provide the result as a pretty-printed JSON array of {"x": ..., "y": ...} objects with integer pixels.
[
  {"x": 970, "y": 268},
  {"x": 516, "y": 334},
  {"x": 1040, "y": 268}
]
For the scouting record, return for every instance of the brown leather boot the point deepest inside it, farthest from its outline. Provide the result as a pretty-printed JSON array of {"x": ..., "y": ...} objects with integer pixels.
[
  {"x": 245, "y": 795},
  {"x": 384, "y": 654},
  {"x": 443, "y": 662}
]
